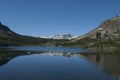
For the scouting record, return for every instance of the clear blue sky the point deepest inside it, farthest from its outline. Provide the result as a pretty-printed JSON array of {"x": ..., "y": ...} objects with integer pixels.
[{"x": 50, "y": 17}]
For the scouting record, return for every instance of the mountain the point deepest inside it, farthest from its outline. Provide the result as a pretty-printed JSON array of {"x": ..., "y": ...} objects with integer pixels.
[
  {"x": 106, "y": 37},
  {"x": 5, "y": 31},
  {"x": 10, "y": 38},
  {"x": 64, "y": 36},
  {"x": 108, "y": 29},
  {"x": 45, "y": 37}
]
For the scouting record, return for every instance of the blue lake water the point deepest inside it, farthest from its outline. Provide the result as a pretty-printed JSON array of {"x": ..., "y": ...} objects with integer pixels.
[{"x": 51, "y": 63}]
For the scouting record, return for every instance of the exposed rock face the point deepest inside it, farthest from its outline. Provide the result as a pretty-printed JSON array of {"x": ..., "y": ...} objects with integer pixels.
[
  {"x": 108, "y": 29},
  {"x": 64, "y": 36}
]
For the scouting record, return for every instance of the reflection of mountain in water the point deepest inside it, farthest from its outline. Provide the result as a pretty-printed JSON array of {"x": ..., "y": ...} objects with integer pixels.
[
  {"x": 65, "y": 54},
  {"x": 6, "y": 56},
  {"x": 4, "y": 61},
  {"x": 109, "y": 63}
]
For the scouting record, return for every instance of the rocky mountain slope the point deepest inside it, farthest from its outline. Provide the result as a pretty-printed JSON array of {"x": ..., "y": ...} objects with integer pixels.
[
  {"x": 106, "y": 37},
  {"x": 64, "y": 36},
  {"x": 108, "y": 29}
]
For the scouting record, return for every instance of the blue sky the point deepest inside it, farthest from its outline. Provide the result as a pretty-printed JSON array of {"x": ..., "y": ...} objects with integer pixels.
[{"x": 50, "y": 17}]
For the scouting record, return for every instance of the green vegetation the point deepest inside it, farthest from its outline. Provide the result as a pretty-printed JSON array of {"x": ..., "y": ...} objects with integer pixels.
[
  {"x": 104, "y": 38},
  {"x": 87, "y": 43},
  {"x": 27, "y": 40},
  {"x": 112, "y": 45}
]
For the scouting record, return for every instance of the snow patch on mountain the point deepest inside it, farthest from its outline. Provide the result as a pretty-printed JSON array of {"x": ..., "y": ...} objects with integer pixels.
[{"x": 64, "y": 36}]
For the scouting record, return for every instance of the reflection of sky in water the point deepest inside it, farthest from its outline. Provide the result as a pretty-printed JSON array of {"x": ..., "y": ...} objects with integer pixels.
[{"x": 46, "y": 67}]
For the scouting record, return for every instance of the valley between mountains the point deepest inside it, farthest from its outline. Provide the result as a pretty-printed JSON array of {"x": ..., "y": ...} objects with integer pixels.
[{"x": 105, "y": 37}]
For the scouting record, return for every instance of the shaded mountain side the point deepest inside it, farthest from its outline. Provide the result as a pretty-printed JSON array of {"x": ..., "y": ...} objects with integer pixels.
[
  {"x": 5, "y": 31},
  {"x": 28, "y": 40},
  {"x": 9, "y": 37}
]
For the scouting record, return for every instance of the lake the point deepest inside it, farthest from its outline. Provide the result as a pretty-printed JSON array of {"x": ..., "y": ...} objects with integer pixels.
[{"x": 57, "y": 63}]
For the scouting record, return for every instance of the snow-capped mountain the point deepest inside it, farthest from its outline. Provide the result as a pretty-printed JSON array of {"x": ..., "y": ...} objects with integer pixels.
[
  {"x": 46, "y": 37},
  {"x": 64, "y": 36}
]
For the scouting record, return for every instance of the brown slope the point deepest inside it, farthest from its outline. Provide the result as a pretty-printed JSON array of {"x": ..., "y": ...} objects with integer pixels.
[{"x": 108, "y": 29}]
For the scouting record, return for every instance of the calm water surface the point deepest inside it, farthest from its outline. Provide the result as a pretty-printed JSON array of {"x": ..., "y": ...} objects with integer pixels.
[{"x": 56, "y": 63}]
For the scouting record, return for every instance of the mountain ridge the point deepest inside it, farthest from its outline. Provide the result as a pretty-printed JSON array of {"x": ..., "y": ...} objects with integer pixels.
[
  {"x": 58, "y": 36},
  {"x": 109, "y": 28}
]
